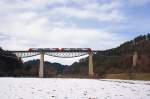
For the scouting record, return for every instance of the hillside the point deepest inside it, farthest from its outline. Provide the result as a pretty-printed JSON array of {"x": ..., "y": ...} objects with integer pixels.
[
  {"x": 112, "y": 61},
  {"x": 118, "y": 60},
  {"x": 30, "y": 68},
  {"x": 9, "y": 65}
]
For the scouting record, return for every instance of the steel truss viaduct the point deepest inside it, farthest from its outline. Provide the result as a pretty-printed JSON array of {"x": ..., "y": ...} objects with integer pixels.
[
  {"x": 54, "y": 53},
  {"x": 62, "y": 53}
]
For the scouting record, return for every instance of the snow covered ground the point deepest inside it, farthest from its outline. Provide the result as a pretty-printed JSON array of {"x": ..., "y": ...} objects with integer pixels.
[{"x": 59, "y": 88}]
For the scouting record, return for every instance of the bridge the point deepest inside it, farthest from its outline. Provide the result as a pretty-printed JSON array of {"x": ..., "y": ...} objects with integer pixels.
[
  {"x": 56, "y": 52},
  {"x": 61, "y": 53}
]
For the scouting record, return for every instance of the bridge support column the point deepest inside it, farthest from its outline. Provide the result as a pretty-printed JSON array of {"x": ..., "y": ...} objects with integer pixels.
[
  {"x": 134, "y": 64},
  {"x": 41, "y": 68},
  {"x": 91, "y": 73},
  {"x": 135, "y": 57}
]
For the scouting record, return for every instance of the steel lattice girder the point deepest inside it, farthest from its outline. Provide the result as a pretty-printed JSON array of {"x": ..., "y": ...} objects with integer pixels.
[{"x": 64, "y": 54}]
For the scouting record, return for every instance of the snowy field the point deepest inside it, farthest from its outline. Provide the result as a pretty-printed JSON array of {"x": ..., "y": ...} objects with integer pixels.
[{"x": 57, "y": 88}]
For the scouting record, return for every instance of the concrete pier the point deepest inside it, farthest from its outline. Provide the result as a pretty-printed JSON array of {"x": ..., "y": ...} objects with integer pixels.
[
  {"x": 91, "y": 73},
  {"x": 135, "y": 57},
  {"x": 41, "y": 67}
]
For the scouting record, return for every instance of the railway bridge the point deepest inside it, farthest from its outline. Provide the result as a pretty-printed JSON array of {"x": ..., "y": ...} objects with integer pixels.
[
  {"x": 63, "y": 53},
  {"x": 57, "y": 52}
]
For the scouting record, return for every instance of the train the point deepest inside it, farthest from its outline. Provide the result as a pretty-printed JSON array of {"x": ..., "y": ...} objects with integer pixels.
[
  {"x": 76, "y": 49},
  {"x": 43, "y": 49},
  {"x": 60, "y": 49}
]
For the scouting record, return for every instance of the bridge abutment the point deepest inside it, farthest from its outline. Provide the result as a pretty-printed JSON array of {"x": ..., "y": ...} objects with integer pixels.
[
  {"x": 41, "y": 67},
  {"x": 91, "y": 73}
]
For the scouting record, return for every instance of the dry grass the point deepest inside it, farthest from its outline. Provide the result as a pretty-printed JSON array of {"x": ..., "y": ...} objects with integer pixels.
[{"x": 139, "y": 76}]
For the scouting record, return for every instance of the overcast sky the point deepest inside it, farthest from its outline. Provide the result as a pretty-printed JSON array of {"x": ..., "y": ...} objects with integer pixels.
[{"x": 96, "y": 24}]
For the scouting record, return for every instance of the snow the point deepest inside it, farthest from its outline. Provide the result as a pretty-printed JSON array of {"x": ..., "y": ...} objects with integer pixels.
[{"x": 65, "y": 88}]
